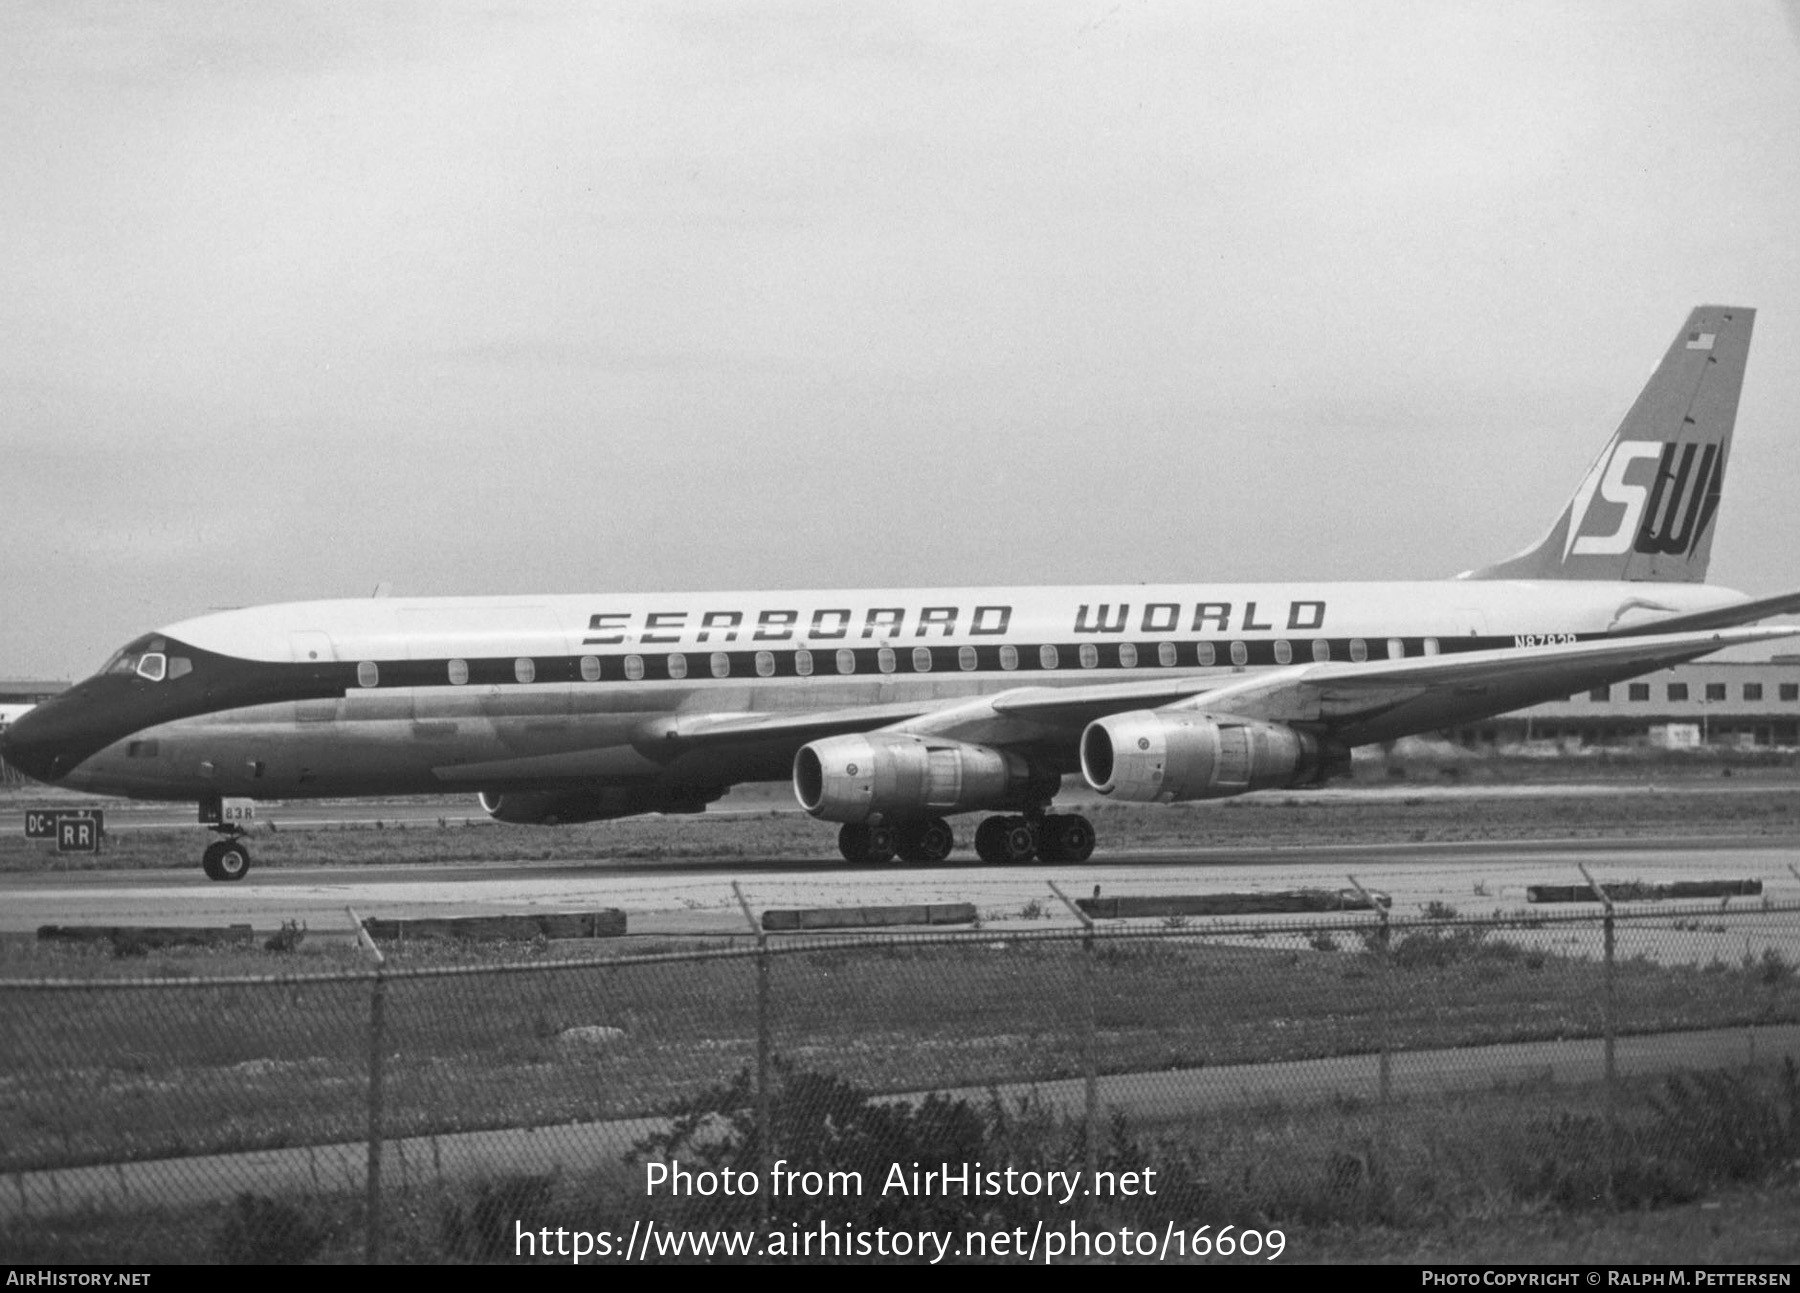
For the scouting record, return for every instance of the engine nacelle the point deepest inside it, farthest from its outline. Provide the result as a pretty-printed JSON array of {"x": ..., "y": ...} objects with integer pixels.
[
  {"x": 1162, "y": 756},
  {"x": 883, "y": 777},
  {"x": 570, "y": 807}
]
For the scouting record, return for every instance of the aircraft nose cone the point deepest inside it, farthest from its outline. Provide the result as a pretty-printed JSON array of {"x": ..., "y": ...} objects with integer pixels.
[{"x": 26, "y": 747}]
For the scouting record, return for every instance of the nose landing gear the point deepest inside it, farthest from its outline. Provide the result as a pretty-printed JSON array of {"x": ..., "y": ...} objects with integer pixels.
[
  {"x": 225, "y": 859},
  {"x": 228, "y": 858}
]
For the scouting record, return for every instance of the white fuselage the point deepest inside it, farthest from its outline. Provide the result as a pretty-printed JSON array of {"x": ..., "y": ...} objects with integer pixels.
[{"x": 507, "y": 692}]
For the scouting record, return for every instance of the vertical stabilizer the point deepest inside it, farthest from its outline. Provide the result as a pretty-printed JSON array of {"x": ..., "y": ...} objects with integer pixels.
[{"x": 1646, "y": 508}]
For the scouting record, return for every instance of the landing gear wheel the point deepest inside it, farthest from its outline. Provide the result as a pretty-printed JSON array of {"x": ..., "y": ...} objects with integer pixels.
[
  {"x": 1019, "y": 842},
  {"x": 866, "y": 843},
  {"x": 928, "y": 841},
  {"x": 1066, "y": 837},
  {"x": 990, "y": 840},
  {"x": 225, "y": 860}
]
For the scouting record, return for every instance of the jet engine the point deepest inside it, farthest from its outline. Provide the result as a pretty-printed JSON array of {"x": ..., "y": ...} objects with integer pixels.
[
  {"x": 568, "y": 807},
  {"x": 887, "y": 776},
  {"x": 1159, "y": 756}
]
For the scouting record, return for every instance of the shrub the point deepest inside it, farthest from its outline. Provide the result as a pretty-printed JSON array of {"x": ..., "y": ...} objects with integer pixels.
[
  {"x": 484, "y": 1232},
  {"x": 260, "y": 1231}
]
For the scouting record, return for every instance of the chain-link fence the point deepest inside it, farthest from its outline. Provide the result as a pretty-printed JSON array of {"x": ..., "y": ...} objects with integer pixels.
[{"x": 1273, "y": 1073}]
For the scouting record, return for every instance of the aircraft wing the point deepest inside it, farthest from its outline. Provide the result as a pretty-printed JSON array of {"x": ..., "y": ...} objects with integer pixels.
[
  {"x": 1353, "y": 702},
  {"x": 1741, "y": 613},
  {"x": 1384, "y": 699}
]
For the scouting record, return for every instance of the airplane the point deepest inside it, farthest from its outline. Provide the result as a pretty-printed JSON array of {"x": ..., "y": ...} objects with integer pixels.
[{"x": 892, "y": 710}]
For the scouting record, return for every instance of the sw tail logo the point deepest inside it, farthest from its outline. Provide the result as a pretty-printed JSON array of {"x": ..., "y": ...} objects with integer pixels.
[{"x": 1668, "y": 516}]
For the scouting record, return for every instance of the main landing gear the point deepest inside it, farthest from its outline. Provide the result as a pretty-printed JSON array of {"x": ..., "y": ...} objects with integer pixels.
[
  {"x": 927, "y": 841},
  {"x": 1042, "y": 837}
]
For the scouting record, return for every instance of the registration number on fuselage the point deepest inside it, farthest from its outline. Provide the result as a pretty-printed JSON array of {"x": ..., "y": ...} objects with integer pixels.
[{"x": 1543, "y": 639}]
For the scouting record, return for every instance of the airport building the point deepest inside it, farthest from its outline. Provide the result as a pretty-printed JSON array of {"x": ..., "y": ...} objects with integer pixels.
[{"x": 1703, "y": 704}]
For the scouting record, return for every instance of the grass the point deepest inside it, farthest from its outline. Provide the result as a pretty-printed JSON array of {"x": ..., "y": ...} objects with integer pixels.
[
  {"x": 107, "y": 1071},
  {"x": 1489, "y": 1175},
  {"x": 1768, "y": 807}
]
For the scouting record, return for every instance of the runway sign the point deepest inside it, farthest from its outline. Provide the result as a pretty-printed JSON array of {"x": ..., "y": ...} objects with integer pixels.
[
  {"x": 77, "y": 835},
  {"x": 46, "y": 824}
]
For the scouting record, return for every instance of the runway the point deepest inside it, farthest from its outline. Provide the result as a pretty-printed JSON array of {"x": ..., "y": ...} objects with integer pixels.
[{"x": 695, "y": 897}]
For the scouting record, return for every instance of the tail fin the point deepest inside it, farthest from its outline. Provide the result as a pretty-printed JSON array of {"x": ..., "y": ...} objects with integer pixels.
[{"x": 1646, "y": 507}]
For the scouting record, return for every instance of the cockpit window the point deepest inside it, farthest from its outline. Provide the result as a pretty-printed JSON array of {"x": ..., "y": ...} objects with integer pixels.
[
  {"x": 180, "y": 666},
  {"x": 147, "y": 658}
]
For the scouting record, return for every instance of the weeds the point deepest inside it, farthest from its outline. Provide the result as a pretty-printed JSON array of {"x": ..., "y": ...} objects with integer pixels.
[
  {"x": 485, "y": 1230},
  {"x": 286, "y": 939},
  {"x": 260, "y": 1231}
]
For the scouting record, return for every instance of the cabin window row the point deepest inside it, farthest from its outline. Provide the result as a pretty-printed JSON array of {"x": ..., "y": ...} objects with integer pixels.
[{"x": 922, "y": 659}]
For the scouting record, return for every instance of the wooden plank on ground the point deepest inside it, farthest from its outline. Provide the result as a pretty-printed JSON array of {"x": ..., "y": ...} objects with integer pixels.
[
  {"x": 938, "y": 913},
  {"x": 609, "y": 923},
  {"x": 148, "y": 936},
  {"x": 1637, "y": 891},
  {"x": 1286, "y": 901}
]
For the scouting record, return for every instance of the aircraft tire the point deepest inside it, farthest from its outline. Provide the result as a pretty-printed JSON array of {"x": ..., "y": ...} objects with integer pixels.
[
  {"x": 990, "y": 840},
  {"x": 927, "y": 841},
  {"x": 226, "y": 860},
  {"x": 1020, "y": 841},
  {"x": 859, "y": 843},
  {"x": 1067, "y": 838}
]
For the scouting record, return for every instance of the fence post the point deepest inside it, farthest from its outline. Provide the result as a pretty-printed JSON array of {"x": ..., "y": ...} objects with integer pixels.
[
  {"x": 764, "y": 1156},
  {"x": 1090, "y": 1114},
  {"x": 1607, "y": 1023},
  {"x": 377, "y": 1022},
  {"x": 1385, "y": 1078}
]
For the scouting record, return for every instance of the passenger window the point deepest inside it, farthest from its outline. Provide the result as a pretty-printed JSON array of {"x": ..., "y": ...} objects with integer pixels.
[
  {"x": 153, "y": 666},
  {"x": 677, "y": 666},
  {"x": 803, "y": 663},
  {"x": 590, "y": 668},
  {"x": 180, "y": 667},
  {"x": 368, "y": 674},
  {"x": 1240, "y": 653},
  {"x": 966, "y": 657},
  {"x": 459, "y": 672},
  {"x": 1127, "y": 655},
  {"x": 1090, "y": 655},
  {"x": 1359, "y": 650},
  {"x": 1431, "y": 646},
  {"x": 1047, "y": 656},
  {"x": 846, "y": 660},
  {"x": 1009, "y": 657},
  {"x": 1321, "y": 649},
  {"x": 885, "y": 659},
  {"x": 1204, "y": 653},
  {"x": 525, "y": 669},
  {"x": 921, "y": 659},
  {"x": 721, "y": 665},
  {"x": 634, "y": 667},
  {"x": 1396, "y": 649},
  {"x": 1284, "y": 652},
  {"x": 765, "y": 664}
]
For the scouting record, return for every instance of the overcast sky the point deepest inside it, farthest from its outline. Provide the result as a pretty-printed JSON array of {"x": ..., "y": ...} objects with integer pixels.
[{"x": 565, "y": 297}]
